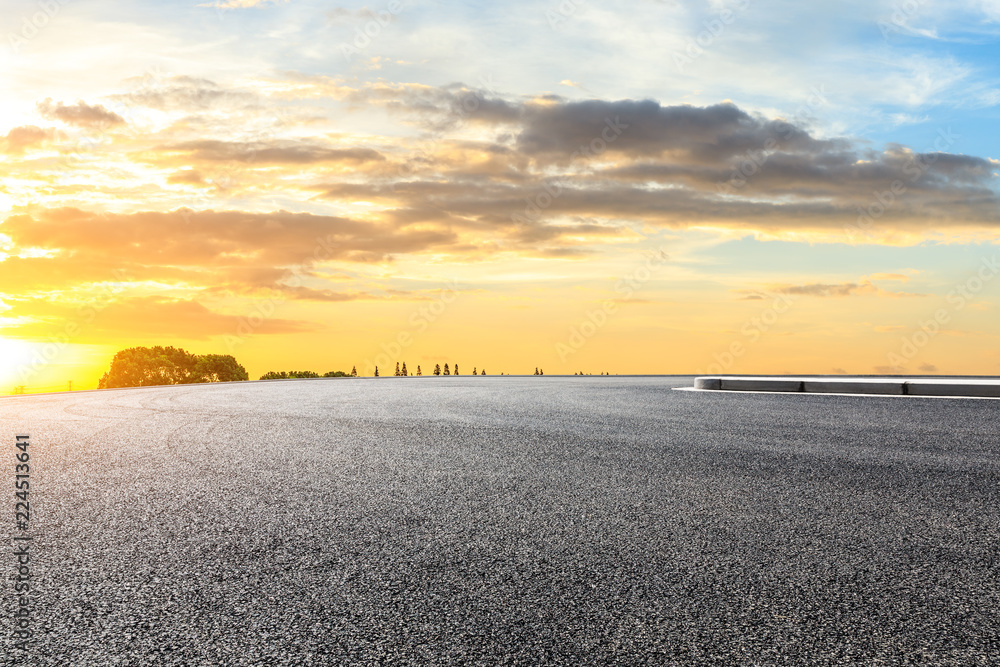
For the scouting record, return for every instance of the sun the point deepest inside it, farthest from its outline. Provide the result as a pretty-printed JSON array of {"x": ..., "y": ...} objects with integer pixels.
[{"x": 14, "y": 355}]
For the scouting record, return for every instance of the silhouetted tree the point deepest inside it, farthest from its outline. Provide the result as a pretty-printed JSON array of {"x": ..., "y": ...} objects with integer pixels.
[
  {"x": 404, "y": 369},
  {"x": 419, "y": 372},
  {"x": 474, "y": 372},
  {"x": 376, "y": 371},
  {"x": 148, "y": 366},
  {"x": 536, "y": 370},
  {"x": 397, "y": 369},
  {"x": 482, "y": 372},
  {"x": 446, "y": 371},
  {"x": 456, "y": 369},
  {"x": 336, "y": 374},
  {"x": 541, "y": 371},
  {"x": 219, "y": 368},
  {"x": 437, "y": 369},
  {"x": 354, "y": 371}
]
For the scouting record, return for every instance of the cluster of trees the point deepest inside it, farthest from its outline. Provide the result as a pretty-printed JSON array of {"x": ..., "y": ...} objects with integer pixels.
[
  {"x": 288, "y": 375},
  {"x": 149, "y": 366},
  {"x": 403, "y": 372}
]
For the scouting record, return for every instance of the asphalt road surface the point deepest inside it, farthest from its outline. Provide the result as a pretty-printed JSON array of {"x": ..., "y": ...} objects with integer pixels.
[{"x": 505, "y": 520}]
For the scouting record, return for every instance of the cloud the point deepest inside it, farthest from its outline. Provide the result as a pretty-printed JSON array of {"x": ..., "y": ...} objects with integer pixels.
[
  {"x": 80, "y": 114},
  {"x": 840, "y": 290},
  {"x": 646, "y": 128},
  {"x": 676, "y": 166},
  {"x": 20, "y": 139},
  {"x": 504, "y": 174},
  {"x": 273, "y": 152},
  {"x": 216, "y": 238},
  {"x": 186, "y": 177},
  {"x": 338, "y": 14},
  {"x": 241, "y": 4},
  {"x": 301, "y": 293},
  {"x": 185, "y": 93},
  {"x": 78, "y": 254}
]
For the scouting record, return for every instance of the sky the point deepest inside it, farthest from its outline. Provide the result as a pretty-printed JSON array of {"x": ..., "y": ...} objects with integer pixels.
[{"x": 658, "y": 187}]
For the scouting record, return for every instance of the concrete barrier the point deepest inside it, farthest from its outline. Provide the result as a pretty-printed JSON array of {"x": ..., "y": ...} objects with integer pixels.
[
  {"x": 761, "y": 384},
  {"x": 708, "y": 383},
  {"x": 953, "y": 388},
  {"x": 836, "y": 386},
  {"x": 957, "y": 387}
]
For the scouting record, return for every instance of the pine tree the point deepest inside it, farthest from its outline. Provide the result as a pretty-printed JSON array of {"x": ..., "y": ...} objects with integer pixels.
[
  {"x": 376, "y": 371},
  {"x": 474, "y": 371},
  {"x": 541, "y": 372},
  {"x": 536, "y": 370},
  {"x": 437, "y": 369},
  {"x": 456, "y": 369},
  {"x": 354, "y": 371},
  {"x": 405, "y": 373},
  {"x": 446, "y": 371},
  {"x": 419, "y": 371},
  {"x": 397, "y": 369},
  {"x": 484, "y": 372}
]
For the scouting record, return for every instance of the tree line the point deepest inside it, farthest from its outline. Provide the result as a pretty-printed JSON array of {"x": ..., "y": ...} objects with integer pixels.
[
  {"x": 290, "y": 375},
  {"x": 149, "y": 366},
  {"x": 403, "y": 372}
]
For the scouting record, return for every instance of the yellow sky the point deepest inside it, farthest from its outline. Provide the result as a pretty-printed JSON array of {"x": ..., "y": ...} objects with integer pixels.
[{"x": 230, "y": 180}]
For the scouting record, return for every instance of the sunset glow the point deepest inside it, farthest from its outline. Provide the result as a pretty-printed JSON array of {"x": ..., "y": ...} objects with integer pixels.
[{"x": 303, "y": 185}]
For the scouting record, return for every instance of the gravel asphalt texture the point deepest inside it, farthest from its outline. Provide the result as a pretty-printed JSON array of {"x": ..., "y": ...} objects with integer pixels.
[{"x": 506, "y": 520}]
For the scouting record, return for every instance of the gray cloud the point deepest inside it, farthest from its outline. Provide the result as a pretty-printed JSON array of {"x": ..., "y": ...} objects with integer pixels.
[
  {"x": 672, "y": 166},
  {"x": 186, "y": 93},
  {"x": 272, "y": 152},
  {"x": 649, "y": 129},
  {"x": 80, "y": 114}
]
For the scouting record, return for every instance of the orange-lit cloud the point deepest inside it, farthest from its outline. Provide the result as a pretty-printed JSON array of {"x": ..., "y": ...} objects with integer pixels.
[
  {"x": 840, "y": 290},
  {"x": 20, "y": 139}
]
